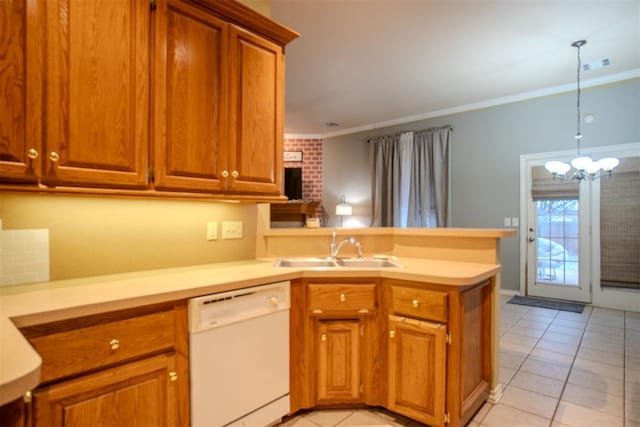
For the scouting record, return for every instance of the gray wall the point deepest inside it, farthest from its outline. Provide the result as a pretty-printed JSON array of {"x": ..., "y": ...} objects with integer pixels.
[{"x": 485, "y": 156}]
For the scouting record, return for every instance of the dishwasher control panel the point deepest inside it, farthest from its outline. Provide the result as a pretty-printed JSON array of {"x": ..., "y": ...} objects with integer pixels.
[{"x": 230, "y": 307}]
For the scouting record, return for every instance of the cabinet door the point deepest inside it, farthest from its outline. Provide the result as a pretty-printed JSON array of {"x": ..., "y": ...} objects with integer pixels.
[
  {"x": 256, "y": 99},
  {"x": 20, "y": 89},
  {"x": 190, "y": 95},
  {"x": 136, "y": 394},
  {"x": 97, "y": 91},
  {"x": 417, "y": 370},
  {"x": 338, "y": 358}
]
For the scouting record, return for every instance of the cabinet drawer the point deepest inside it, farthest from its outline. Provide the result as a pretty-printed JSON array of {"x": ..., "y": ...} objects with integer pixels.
[
  {"x": 360, "y": 298},
  {"x": 71, "y": 352},
  {"x": 419, "y": 303}
]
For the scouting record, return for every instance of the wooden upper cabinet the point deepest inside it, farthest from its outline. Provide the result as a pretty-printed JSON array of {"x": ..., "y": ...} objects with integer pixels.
[
  {"x": 190, "y": 95},
  {"x": 257, "y": 111},
  {"x": 97, "y": 93},
  {"x": 20, "y": 90}
]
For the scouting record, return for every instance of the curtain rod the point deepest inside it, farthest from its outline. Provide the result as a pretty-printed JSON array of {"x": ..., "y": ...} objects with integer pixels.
[{"x": 368, "y": 140}]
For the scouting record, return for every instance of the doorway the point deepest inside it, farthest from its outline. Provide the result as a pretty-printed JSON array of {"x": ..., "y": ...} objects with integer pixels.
[{"x": 560, "y": 239}]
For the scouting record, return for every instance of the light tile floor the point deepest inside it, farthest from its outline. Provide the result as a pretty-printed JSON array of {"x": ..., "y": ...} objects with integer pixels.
[{"x": 558, "y": 369}]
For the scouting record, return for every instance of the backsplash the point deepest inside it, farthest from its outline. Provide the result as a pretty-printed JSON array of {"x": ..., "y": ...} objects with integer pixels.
[{"x": 24, "y": 256}]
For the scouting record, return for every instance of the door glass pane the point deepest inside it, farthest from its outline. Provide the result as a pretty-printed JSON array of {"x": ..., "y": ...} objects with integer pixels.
[{"x": 557, "y": 241}]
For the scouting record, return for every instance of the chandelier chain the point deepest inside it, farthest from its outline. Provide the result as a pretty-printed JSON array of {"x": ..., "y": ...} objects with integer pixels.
[{"x": 578, "y": 135}]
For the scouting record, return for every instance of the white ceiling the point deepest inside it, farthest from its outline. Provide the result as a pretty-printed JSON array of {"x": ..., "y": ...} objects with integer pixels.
[{"x": 369, "y": 63}]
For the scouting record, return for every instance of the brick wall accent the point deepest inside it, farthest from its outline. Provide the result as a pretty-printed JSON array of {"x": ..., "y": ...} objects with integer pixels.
[{"x": 311, "y": 167}]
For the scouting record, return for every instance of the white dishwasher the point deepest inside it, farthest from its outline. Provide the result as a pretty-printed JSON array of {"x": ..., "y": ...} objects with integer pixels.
[{"x": 239, "y": 357}]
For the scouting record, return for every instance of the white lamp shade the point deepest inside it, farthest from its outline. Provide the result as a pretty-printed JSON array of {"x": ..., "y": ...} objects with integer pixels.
[
  {"x": 608, "y": 163},
  {"x": 556, "y": 167},
  {"x": 593, "y": 168},
  {"x": 344, "y": 209},
  {"x": 581, "y": 163}
]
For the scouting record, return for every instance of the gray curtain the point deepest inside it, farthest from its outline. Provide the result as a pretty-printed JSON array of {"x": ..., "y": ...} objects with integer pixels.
[{"x": 410, "y": 179}]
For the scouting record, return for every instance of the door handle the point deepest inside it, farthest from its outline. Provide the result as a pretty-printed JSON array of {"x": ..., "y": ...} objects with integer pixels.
[{"x": 531, "y": 239}]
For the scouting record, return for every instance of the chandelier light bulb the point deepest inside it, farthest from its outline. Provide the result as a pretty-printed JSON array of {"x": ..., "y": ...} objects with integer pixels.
[
  {"x": 581, "y": 163},
  {"x": 608, "y": 163}
]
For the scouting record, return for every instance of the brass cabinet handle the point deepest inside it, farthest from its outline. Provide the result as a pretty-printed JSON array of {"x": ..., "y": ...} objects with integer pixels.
[
  {"x": 415, "y": 303},
  {"x": 54, "y": 157},
  {"x": 173, "y": 376},
  {"x": 32, "y": 153},
  {"x": 316, "y": 311},
  {"x": 323, "y": 337},
  {"x": 235, "y": 174},
  {"x": 343, "y": 297},
  {"x": 115, "y": 344},
  {"x": 225, "y": 174},
  {"x": 392, "y": 334}
]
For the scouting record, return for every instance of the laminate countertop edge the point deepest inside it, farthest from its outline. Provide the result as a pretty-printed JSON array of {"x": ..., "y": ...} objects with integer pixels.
[{"x": 27, "y": 305}]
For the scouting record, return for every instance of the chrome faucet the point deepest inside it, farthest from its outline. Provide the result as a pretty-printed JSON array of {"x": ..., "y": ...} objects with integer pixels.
[{"x": 335, "y": 247}]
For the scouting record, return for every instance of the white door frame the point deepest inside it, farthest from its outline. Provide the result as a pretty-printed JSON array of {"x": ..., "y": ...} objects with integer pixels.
[{"x": 606, "y": 298}]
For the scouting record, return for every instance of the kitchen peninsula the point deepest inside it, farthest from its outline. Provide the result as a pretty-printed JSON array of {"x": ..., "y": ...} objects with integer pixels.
[{"x": 447, "y": 286}]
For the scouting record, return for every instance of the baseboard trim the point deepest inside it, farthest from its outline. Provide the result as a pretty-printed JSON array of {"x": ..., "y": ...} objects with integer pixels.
[
  {"x": 496, "y": 394},
  {"x": 511, "y": 292}
]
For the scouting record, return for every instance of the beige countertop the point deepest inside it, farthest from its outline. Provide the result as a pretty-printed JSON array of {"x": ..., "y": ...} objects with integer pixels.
[{"x": 27, "y": 305}]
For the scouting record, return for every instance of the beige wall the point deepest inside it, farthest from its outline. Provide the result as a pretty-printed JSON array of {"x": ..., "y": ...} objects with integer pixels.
[
  {"x": 261, "y": 6},
  {"x": 91, "y": 236}
]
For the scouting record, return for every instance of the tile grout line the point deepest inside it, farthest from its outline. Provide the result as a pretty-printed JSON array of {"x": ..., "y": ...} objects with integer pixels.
[{"x": 573, "y": 361}]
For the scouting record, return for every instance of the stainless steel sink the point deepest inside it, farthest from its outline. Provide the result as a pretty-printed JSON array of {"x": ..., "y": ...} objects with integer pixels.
[
  {"x": 337, "y": 263},
  {"x": 367, "y": 263},
  {"x": 304, "y": 262}
]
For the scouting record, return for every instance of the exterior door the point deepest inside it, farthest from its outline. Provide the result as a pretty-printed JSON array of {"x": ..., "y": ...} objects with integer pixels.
[{"x": 558, "y": 238}]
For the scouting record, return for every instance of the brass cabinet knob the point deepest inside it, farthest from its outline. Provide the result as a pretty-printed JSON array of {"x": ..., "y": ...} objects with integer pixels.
[
  {"x": 115, "y": 344},
  {"x": 54, "y": 157},
  {"x": 415, "y": 303},
  {"x": 343, "y": 297},
  {"x": 392, "y": 334},
  {"x": 32, "y": 153},
  {"x": 323, "y": 337},
  {"x": 225, "y": 174},
  {"x": 235, "y": 174},
  {"x": 27, "y": 396},
  {"x": 173, "y": 376},
  {"x": 273, "y": 300}
]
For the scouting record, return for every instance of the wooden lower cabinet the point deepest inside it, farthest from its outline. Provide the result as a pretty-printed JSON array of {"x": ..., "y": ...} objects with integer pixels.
[
  {"x": 338, "y": 358},
  {"x": 417, "y": 369},
  {"x": 123, "y": 368},
  {"x": 137, "y": 393},
  {"x": 419, "y": 349}
]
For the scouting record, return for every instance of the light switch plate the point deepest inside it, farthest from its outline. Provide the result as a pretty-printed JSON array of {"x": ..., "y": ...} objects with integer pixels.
[
  {"x": 212, "y": 230},
  {"x": 231, "y": 230},
  {"x": 515, "y": 221},
  {"x": 507, "y": 221}
]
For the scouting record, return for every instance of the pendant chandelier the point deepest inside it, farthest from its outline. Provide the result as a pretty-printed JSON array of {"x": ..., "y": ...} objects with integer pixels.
[{"x": 581, "y": 167}]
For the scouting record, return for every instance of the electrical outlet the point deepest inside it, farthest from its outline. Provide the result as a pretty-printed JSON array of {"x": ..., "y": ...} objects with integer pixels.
[
  {"x": 232, "y": 229},
  {"x": 212, "y": 230}
]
